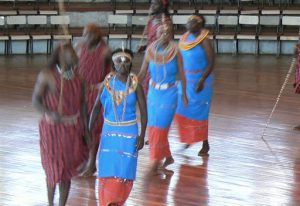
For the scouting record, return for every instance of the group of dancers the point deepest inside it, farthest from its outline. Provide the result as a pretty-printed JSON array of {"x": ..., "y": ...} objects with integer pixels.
[{"x": 87, "y": 98}]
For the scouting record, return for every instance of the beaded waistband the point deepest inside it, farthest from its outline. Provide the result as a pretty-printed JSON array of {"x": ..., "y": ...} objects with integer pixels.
[
  {"x": 130, "y": 122},
  {"x": 194, "y": 71},
  {"x": 65, "y": 119},
  {"x": 161, "y": 86}
]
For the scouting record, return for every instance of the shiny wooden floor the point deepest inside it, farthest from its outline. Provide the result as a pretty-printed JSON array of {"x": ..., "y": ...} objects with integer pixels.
[{"x": 240, "y": 170}]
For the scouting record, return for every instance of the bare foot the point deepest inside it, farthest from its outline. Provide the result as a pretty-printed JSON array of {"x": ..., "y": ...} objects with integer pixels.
[
  {"x": 154, "y": 168},
  {"x": 168, "y": 172},
  {"x": 297, "y": 127},
  {"x": 204, "y": 150},
  {"x": 168, "y": 161}
]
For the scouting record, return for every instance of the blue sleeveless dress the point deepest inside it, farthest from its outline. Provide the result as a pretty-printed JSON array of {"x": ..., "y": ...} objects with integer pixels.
[
  {"x": 161, "y": 103},
  {"x": 193, "y": 119},
  {"x": 117, "y": 156}
]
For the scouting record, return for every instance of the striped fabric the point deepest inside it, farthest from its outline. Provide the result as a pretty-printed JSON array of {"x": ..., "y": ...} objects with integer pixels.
[
  {"x": 91, "y": 69},
  {"x": 62, "y": 146},
  {"x": 297, "y": 75},
  {"x": 151, "y": 29}
]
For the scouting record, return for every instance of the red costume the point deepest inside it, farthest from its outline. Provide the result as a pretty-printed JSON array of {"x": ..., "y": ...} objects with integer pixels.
[
  {"x": 91, "y": 68},
  {"x": 61, "y": 144},
  {"x": 297, "y": 77}
]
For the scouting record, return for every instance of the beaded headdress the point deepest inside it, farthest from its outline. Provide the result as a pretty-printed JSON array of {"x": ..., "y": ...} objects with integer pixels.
[
  {"x": 166, "y": 20},
  {"x": 166, "y": 23},
  {"x": 121, "y": 54},
  {"x": 196, "y": 18}
]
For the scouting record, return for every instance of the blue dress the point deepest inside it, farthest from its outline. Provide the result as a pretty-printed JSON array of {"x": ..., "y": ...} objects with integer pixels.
[
  {"x": 117, "y": 156},
  {"x": 161, "y": 103},
  {"x": 193, "y": 119}
]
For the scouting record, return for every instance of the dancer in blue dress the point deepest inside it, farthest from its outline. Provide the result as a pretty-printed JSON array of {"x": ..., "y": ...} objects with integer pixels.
[
  {"x": 164, "y": 62},
  {"x": 198, "y": 59},
  {"x": 120, "y": 141}
]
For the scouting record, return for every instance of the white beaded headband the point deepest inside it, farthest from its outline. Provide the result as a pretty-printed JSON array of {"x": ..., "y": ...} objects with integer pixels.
[{"x": 121, "y": 54}]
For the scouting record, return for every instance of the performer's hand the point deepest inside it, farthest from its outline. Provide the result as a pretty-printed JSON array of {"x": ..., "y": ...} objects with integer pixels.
[
  {"x": 141, "y": 49},
  {"x": 54, "y": 117},
  {"x": 140, "y": 143},
  {"x": 87, "y": 169},
  {"x": 98, "y": 86},
  {"x": 200, "y": 86},
  {"x": 88, "y": 138}
]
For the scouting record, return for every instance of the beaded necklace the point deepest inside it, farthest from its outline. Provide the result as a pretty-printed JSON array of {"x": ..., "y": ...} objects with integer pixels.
[
  {"x": 118, "y": 96},
  {"x": 186, "y": 44},
  {"x": 165, "y": 56},
  {"x": 67, "y": 75},
  {"x": 115, "y": 97}
]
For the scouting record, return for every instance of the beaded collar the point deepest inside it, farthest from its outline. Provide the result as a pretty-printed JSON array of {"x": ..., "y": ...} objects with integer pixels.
[
  {"x": 186, "y": 44},
  {"x": 119, "y": 95},
  {"x": 164, "y": 56}
]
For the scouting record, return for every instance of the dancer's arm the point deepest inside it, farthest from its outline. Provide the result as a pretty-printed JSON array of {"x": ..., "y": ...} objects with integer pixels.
[
  {"x": 78, "y": 48},
  {"x": 42, "y": 85},
  {"x": 96, "y": 109},
  {"x": 143, "y": 112},
  {"x": 182, "y": 78},
  {"x": 89, "y": 169},
  {"x": 144, "y": 69},
  {"x": 142, "y": 48},
  {"x": 84, "y": 112},
  {"x": 107, "y": 61},
  {"x": 210, "y": 63}
]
